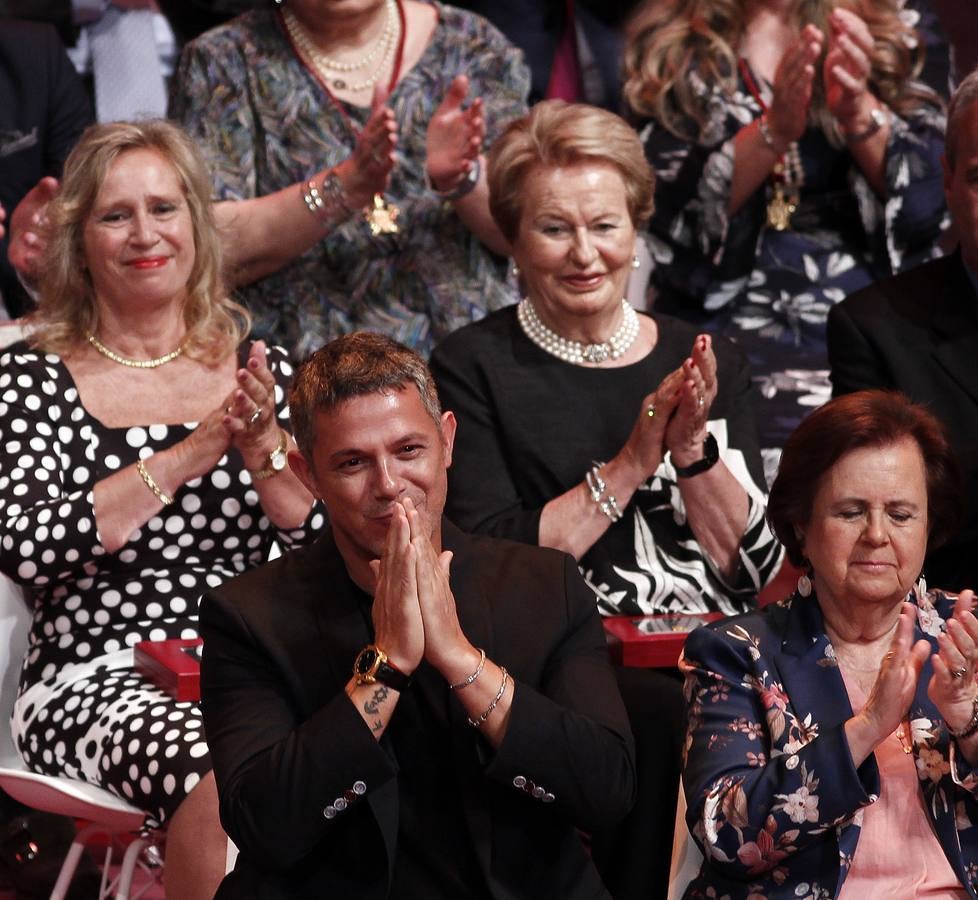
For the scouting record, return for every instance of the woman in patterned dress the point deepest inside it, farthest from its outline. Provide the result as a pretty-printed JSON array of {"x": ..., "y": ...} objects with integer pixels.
[
  {"x": 143, "y": 451},
  {"x": 626, "y": 440},
  {"x": 281, "y": 91},
  {"x": 832, "y": 747},
  {"x": 797, "y": 161}
]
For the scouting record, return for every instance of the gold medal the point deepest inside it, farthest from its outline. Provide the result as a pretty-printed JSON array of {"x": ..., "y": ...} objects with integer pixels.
[
  {"x": 779, "y": 209},
  {"x": 381, "y": 216}
]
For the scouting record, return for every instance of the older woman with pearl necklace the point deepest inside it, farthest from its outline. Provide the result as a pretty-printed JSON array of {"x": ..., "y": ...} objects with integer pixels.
[{"x": 624, "y": 439}]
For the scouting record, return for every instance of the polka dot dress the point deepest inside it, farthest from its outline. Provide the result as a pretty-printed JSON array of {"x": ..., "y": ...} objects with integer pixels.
[{"x": 82, "y": 711}]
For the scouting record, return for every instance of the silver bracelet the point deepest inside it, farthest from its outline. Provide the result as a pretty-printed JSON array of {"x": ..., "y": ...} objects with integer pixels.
[
  {"x": 327, "y": 202},
  {"x": 475, "y": 723},
  {"x": 877, "y": 119},
  {"x": 605, "y": 502},
  {"x": 968, "y": 729},
  {"x": 465, "y": 682},
  {"x": 465, "y": 185}
]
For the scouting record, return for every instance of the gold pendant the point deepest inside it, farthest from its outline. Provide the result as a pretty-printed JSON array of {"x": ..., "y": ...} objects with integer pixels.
[
  {"x": 381, "y": 216},
  {"x": 779, "y": 209}
]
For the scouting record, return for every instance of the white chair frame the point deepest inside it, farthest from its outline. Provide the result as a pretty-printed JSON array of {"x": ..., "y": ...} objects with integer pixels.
[{"x": 106, "y": 813}]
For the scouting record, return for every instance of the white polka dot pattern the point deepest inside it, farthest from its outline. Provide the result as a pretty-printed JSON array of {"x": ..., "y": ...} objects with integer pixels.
[{"x": 89, "y": 602}]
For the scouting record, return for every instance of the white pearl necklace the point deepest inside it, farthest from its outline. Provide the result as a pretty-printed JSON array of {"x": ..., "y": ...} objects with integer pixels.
[
  {"x": 387, "y": 42},
  {"x": 574, "y": 351}
]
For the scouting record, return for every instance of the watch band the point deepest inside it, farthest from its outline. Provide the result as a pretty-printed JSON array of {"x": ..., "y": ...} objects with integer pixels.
[
  {"x": 276, "y": 460},
  {"x": 372, "y": 666},
  {"x": 877, "y": 119},
  {"x": 711, "y": 454}
]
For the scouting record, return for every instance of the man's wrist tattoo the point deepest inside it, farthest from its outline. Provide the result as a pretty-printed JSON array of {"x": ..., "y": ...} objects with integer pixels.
[{"x": 379, "y": 696}]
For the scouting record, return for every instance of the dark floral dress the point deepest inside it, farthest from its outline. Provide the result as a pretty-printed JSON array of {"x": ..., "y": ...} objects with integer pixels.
[{"x": 770, "y": 291}]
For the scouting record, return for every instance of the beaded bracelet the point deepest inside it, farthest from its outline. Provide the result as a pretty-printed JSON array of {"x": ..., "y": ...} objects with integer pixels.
[
  {"x": 970, "y": 728},
  {"x": 465, "y": 682},
  {"x": 765, "y": 129},
  {"x": 327, "y": 202},
  {"x": 165, "y": 499},
  {"x": 475, "y": 723}
]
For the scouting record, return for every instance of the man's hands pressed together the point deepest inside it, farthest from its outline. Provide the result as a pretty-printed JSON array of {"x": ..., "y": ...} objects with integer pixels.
[{"x": 415, "y": 619}]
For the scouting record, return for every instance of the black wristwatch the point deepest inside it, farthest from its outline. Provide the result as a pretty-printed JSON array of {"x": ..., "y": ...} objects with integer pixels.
[
  {"x": 372, "y": 666},
  {"x": 711, "y": 453}
]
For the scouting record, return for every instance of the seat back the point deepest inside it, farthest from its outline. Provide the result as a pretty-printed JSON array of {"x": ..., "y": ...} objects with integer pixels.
[
  {"x": 686, "y": 855},
  {"x": 15, "y": 622}
]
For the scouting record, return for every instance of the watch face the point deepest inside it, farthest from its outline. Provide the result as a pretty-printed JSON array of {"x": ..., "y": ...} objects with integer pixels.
[{"x": 366, "y": 661}]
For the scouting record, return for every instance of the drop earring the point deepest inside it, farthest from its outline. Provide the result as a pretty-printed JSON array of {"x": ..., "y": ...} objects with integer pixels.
[
  {"x": 515, "y": 270},
  {"x": 636, "y": 262},
  {"x": 804, "y": 585}
]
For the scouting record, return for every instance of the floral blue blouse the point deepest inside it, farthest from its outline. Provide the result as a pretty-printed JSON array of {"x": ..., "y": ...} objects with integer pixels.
[
  {"x": 774, "y": 800},
  {"x": 770, "y": 291},
  {"x": 264, "y": 122}
]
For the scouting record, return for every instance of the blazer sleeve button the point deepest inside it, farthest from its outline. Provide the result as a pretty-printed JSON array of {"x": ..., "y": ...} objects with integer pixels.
[
  {"x": 330, "y": 812},
  {"x": 538, "y": 792},
  {"x": 339, "y": 804},
  {"x": 359, "y": 788},
  {"x": 548, "y": 797},
  {"x": 519, "y": 782}
]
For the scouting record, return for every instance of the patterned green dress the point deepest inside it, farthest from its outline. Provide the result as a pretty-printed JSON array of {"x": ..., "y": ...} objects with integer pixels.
[{"x": 265, "y": 122}]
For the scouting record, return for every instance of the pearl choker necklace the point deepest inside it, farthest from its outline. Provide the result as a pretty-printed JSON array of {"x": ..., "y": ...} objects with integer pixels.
[
  {"x": 574, "y": 351},
  {"x": 134, "y": 363}
]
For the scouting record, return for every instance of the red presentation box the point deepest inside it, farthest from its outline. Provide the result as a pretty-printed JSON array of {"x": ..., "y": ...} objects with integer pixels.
[
  {"x": 651, "y": 642},
  {"x": 173, "y": 666}
]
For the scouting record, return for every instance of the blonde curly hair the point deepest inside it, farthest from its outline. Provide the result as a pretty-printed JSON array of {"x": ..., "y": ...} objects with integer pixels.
[
  {"x": 67, "y": 310},
  {"x": 670, "y": 40}
]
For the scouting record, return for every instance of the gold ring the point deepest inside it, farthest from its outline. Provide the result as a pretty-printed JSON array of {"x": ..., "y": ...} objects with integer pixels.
[
  {"x": 958, "y": 673},
  {"x": 254, "y": 417}
]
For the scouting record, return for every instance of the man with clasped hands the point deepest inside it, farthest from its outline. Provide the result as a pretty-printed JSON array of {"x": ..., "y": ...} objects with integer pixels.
[{"x": 401, "y": 709}]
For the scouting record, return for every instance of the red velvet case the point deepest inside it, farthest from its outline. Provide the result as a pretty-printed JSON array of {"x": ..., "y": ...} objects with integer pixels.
[{"x": 173, "y": 666}]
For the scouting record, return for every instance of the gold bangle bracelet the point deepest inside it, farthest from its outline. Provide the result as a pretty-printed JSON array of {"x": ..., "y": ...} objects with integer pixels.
[{"x": 150, "y": 482}]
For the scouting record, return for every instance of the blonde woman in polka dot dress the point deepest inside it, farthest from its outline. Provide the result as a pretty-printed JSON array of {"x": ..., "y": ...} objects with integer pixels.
[{"x": 142, "y": 450}]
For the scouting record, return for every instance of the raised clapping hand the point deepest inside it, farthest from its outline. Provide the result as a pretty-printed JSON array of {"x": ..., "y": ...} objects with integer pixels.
[
  {"x": 894, "y": 688},
  {"x": 27, "y": 240},
  {"x": 847, "y": 66},
  {"x": 687, "y": 428},
  {"x": 792, "y": 89},
  {"x": 455, "y": 135},
  {"x": 952, "y": 688},
  {"x": 368, "y": 168},
  {"x": 249, "y": 414}
]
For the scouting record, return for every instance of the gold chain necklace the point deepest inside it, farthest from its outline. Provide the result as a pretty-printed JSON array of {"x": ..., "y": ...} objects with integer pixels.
[
  {"x": 327, "y": 67},
  {"x": 135, "y": 363}
]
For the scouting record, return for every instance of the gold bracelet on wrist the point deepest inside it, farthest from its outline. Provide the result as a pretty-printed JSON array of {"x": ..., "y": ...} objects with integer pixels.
[{"x": 150, "y": 482}]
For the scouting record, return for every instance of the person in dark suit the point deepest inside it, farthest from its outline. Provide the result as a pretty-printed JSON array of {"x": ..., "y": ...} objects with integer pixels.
[
  {"x": 43, "y": 110},
  {"x": 481, "y": 725},
  {"x": 918, "y": 333}
]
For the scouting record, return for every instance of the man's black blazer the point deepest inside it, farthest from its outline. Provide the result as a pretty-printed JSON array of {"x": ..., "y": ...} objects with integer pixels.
[
  {"x": 918, "y": 333},
  {"x": 286, "y": 742}
]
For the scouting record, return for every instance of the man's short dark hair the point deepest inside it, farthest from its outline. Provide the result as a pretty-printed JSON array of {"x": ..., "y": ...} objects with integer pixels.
[
  {"x": 355, "y": 365},
  {"x": 851, "y": 422}
]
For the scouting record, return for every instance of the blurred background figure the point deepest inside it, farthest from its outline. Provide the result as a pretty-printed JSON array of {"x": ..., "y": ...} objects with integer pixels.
[
  {"x": 918, "y": 333},
  {"x": 830, "y": 735},
  {"x": 278, "y": 93},
  {"x": 798, "y": 159},
  {"x": 43, "y": 110}
]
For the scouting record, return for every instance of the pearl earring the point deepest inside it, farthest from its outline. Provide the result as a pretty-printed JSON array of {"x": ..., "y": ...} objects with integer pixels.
[
  {"x": 636, "y": 262},
  {"x": 515, "y": 270},
  {"x": 804, "y": 585}
]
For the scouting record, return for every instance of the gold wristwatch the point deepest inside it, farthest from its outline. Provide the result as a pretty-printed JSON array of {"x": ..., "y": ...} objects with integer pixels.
[
  {"x": 277, "y": 460},
  {"x": 372, "y": 665}
]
